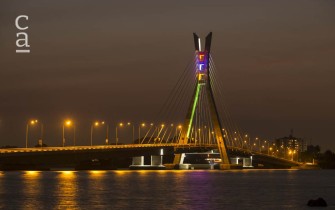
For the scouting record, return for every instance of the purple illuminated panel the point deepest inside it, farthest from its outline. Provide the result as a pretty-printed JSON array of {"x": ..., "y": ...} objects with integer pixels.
[{"x": 201, "y": 61}]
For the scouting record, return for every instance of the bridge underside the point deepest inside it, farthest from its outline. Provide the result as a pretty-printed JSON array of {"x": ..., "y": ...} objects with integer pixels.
[
  {"x": 116, "y": 158},
  {"x": 86, "y": 159}
]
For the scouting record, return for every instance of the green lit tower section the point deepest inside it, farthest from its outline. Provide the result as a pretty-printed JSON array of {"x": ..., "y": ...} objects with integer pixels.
[
  {"x": 201, "y": 59},
  {"x": 203, "y": 81}
]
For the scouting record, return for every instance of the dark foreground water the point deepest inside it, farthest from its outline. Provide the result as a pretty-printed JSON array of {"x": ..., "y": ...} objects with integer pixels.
[{"x": 240, "y": 189}]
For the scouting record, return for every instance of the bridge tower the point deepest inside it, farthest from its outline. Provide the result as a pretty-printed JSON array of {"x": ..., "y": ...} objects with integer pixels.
[{"x": 203, "y": 81}]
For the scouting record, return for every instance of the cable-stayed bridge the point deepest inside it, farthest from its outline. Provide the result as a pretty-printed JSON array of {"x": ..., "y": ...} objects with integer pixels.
[{"x": 197, "y": 100}]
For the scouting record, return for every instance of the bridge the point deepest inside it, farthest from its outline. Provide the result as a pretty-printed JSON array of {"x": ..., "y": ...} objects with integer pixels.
[
  {"x": 116, "y": 156},
  {"x": 197, "y": 99}
]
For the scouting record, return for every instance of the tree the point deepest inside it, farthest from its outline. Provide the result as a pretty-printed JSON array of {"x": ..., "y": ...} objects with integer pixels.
[
  {"x": 311, "y": 153},
  {"x": 327, "y": 160}
]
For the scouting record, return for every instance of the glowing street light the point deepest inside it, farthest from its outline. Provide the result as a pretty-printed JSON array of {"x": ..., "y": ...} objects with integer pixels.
[
  {"x": 177, "y": 134},
  {"x": 139, "y": 131},
  {"x": 107, "y": 133},
  {"x": 145, "y": 136},
  {"x": 122, "y": 125},
  {"x": 131, "y": 124},
  {"x": 95, "y": 124},
  {"x": 69, "y": 123},
  {"x": 248, "y": 137},
  {"x": 32, "y": 123},
  {"x": 291, "y": 153},
  {"x": 159, "y": 130},
  {"x": 259, "y": 144},
  {"x": 116, "y": 137}
]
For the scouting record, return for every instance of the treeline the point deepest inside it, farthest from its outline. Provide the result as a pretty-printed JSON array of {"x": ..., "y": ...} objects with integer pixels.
[
  {"x": 326, "y": 160},
  {"x": 313, "y": 153}
]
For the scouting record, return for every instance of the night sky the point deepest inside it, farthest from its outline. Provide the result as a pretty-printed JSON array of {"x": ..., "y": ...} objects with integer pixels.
[{"x": 118, "y": 61}]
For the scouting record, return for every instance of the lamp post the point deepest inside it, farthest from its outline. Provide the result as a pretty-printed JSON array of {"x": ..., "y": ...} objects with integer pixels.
[
  {"x": 158, "y": 133},
  {"x": 293, "y": 155},
  {"x": 116, "y": 137},
  {"x": 266, "y": 142},
  {"x": 40, "y": 142},
  {"x": 129, "y": 124},
  {"x": 254, "y": 145},
  {"x": 225, "y": 135},
  {"x": 177, "y": 133},
  {"x": 234, "y": 138},
  {"x": 199, "y": 136},
  {"x": 96, "y": 124},
  {"x": 245, "y": 141},
  {"x": 259, "y": 144},
  {"x": 107, "y": 132},
  {"x": 290, "y": 152},
  {"x": 268, "y": 145},
  {"x": 68, "y": 123},
  {"x": 31, "y": 122},
  {"x": 139, "y": 131}
]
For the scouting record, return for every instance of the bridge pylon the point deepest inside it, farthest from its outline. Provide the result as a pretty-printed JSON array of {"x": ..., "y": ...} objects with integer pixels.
[{"x": 203, "y": 83}]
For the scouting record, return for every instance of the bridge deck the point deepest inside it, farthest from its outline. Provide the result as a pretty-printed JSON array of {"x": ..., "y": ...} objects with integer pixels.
[
  {"x": 129, "y": 146},
  {"x": 98, "y": 147}
]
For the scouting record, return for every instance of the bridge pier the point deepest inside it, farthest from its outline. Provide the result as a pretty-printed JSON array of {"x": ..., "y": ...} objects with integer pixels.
[
  {"x": 225, "y": 166},
  {"x": 178, "y": 163}
]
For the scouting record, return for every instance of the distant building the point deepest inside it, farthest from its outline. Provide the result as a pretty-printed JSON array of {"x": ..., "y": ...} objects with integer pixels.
[{"x": 291, "y": 143}]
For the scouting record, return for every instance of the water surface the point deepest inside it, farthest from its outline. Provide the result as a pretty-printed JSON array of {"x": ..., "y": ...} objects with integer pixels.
[{"x": 236, "y": 189}]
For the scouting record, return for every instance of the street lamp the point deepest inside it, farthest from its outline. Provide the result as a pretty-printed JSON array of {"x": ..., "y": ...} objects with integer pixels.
[
  {"x": 129, "y": 124},
  {"x": 95, "y": 124},
  {"x": 121, "y": 125},
  {"x": 268, "y": 145},
  {"x": 139, "y": 131},
  {"x": 259, "y": 144},
  {"x": 146, "y": 134},
  {"x": 179, "y": 127},
  {"x": 116, "y": 138},
  {"x": 107, "y": 133},
  {"x": 168, "y": 137},
  {"x": 199, "y": 136},
  {"x": 226, "y": 136},
  {"x": 291, "y": 153},
  {"x": 32, "y": 123},
  {"x": 248, "y": 137},
  {"x": 159, "y": 131},
  {"x": 69, "y": 123}
]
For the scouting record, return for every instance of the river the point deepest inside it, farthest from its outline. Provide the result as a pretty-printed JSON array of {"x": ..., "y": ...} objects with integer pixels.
[{"x": 123, "y": 189}]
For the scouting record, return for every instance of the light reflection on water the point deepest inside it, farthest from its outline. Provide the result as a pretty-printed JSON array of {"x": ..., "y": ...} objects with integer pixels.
[
  {"x": 236, "y": 189},
  {"x": 66, "y": 192},
  {"x": 32, "y": 189}
]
